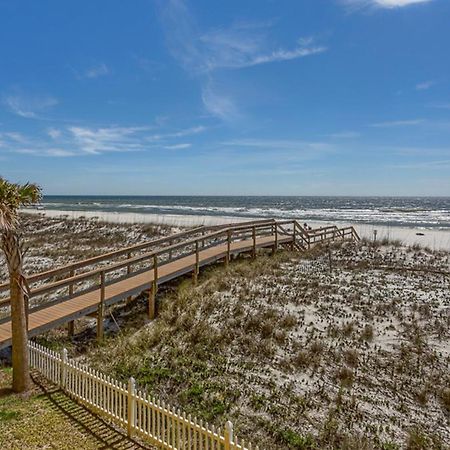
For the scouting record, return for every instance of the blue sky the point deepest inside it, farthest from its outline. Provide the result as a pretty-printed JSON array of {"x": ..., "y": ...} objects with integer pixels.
[{"x": 311, "y": 97}]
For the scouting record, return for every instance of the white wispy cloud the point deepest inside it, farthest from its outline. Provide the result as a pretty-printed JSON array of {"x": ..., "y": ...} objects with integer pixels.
[
  {"x": 28, "y": 106},
  {"x": 238, "y": 47},
  {"x": 82, "y": 140},
  {"x": 110, "y": 139},
  {"x": 177, "y": 134},
  {"x": 423, "y": 165},
  {"x": 425, "y": 85},
  {"x": 54, "y": 133},
  {"x": 98, "y": 70},
  {"x": 242, "y": 44},
  {"x": 178, "y": 146},
  {"x": 218, "y": 104},
  {"x": 386, "y": 4},
  {"x": 440, "y": 105},
  {"x": 398, "y": 123},
  {"x": 279, "y": 144},
  {"x": 186, "y": 132},
  {"x": 345, "y": 135}
]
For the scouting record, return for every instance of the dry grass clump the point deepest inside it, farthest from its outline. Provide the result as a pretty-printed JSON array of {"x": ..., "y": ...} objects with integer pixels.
[
  {"x": 296, "y": 355},
  {"x": 53, "y": 242}
]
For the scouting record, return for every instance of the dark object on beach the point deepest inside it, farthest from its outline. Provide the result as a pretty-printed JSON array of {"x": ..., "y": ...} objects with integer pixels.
[{"x": 420, "y": 234}]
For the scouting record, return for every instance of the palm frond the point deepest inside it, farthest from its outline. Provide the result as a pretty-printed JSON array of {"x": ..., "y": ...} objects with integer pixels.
[{"x": 12, "y": 197}]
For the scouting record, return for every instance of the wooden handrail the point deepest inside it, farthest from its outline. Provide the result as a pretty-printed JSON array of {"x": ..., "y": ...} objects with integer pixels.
[
  {"x": 46, "y": 288},
  {"x": 235, "y": 230},
  {"x": 126, "y": 250}
]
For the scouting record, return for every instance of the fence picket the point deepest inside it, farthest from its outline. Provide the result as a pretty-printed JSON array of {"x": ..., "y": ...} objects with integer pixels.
[{"x": 154, "y": 420}]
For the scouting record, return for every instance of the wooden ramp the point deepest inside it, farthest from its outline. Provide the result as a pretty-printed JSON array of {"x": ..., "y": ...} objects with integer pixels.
[{"x": 62, "y": 295}]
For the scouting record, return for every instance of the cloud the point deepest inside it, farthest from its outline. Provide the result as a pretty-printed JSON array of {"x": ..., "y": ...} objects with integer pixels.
[
  {"x": 425, "y": 85},
  {"x": 279, "y": 144},
  {"x": 54, "y": 133},
  {"x": 178, "y": 146},
  {"x": 233, "y": 49},
  {"x": 110, "y": 139},
  {"x": 187, "y": 132},
  {"x": 218, "y": 104},
  {"x": 151, "y": 67},
  {"x": 176, "y": 134},
  {"x": 254, "y": 154},
  {"x": 440, "y": 105},
  {"x": 99, "y": 70},
  {"x": 423, "y": 165},
  {"x": 28, "y": 106},
  {"x": 386, "y": 4},
  {"x": 242, "y": 44},
  {"x": 81, "y": 140},
  {"x": 345, "y": 135},
  {"x": 398, "y": 123}
]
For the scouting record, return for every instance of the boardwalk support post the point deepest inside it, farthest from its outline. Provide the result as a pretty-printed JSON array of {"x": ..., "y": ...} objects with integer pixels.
[
  {"x": 101, "y": 308},
  {"x": 71, "y": 328},
  {"x": 151, "y": 304},
  {"x": 131, "y": 406},
  {"x": 228, "y": 436}
]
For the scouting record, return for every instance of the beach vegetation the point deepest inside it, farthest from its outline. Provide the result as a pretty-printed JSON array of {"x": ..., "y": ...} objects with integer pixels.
[{"x": 12, "y": 198}]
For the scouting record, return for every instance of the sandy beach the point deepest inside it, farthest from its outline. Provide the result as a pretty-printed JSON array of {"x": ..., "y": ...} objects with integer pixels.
[
  {"x": 434, "y": 239},
  {"x": 360, "y": 336}
]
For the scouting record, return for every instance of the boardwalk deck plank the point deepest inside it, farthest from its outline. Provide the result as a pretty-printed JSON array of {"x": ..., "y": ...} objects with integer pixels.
[{"x": 60, "y": 313}]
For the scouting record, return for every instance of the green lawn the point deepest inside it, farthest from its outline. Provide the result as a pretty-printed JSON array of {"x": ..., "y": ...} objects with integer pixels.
[{"x": 48, "y": 419}]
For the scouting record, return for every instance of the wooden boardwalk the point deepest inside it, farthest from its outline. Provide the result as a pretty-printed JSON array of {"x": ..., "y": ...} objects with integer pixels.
[{"x": 62, "y": 295}]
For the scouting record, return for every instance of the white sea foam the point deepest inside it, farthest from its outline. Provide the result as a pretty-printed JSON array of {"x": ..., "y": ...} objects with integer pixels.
[
  {"x": 390, "y": 216},
  {"x": 435, "y": 239}
]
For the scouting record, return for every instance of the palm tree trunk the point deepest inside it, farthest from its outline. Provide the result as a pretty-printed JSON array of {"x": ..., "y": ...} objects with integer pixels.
[
  {"x": 14, "y": 257},
  {"x": 20, "y": 363}
]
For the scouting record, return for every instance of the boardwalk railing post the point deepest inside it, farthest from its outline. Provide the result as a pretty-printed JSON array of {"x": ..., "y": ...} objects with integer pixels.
[
  {"x": 227, "y": 258},
  {"x": 131, "y": 406},
  {"x": 128, "y": 273},
  {"x": 101, "y": 307},
  {"x": 254, "y": 242},
  {"x": 275, "y": 245},
  {"x": 152, "y": 293},
  {"x": 197, "y": 264},
  {"x": 228, "y": 435},
  {"x": 71, "y": 324},
  {"x": 62, "y": 382},
  {"x": 276, "y": 236}
]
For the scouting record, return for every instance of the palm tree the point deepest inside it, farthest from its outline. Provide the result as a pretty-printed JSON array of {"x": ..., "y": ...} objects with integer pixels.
[{"x": 12, "y": 197}]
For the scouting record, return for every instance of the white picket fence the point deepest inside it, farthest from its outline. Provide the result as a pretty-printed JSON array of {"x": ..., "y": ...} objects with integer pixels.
[{"x": 152, "y": 420}]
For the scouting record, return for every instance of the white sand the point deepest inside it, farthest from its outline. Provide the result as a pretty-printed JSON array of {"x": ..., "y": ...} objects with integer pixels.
[{"x": 433, "y": 238}]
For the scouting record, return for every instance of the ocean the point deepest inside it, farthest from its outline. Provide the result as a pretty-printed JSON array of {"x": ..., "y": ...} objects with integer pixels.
[{"x": 418, "y": 212}]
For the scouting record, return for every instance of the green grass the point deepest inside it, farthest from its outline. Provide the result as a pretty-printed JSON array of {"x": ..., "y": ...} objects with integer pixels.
[{"x": 47, "y": 418}]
